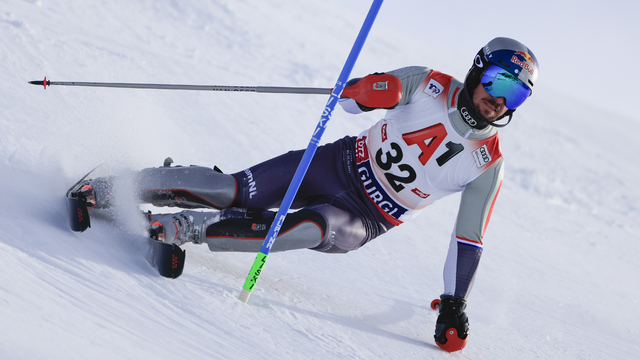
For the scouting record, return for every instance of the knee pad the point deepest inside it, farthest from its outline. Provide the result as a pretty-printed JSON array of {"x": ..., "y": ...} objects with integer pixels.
[{"x": 347, "y": 232}]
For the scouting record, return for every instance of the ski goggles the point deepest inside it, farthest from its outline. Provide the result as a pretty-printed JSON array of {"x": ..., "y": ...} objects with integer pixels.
[{"x": 498, "y": 82}]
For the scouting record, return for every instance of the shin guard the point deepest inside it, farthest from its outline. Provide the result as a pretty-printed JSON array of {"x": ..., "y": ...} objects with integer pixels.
[{"x": 245, "y": 230}]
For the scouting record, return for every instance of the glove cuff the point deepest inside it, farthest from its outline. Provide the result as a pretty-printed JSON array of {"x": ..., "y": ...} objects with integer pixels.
[{"x": 452, "y": 304}]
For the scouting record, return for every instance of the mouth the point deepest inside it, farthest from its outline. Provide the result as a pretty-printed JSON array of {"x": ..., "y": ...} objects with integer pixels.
[{"x": 491, "y": 106}]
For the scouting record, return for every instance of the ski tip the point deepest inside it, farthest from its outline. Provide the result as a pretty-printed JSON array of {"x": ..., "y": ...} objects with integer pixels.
[
  {"x": 167, "y": 259},
  {"x": 79, "y": 220},
  {"x": 172, "y": 262}
]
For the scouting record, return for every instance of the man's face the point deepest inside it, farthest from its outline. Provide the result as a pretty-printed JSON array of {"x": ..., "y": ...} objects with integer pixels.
[{"x": 490, "y": 107}]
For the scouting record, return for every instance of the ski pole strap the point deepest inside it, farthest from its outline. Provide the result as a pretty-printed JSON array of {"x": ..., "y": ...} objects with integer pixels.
[{"x": 258, "y": 265}]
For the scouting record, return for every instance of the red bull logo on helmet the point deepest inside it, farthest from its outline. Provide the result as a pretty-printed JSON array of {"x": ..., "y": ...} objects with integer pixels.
[
  {"x": 528, "y": 64},
  {"x": 526, "y": 56}
]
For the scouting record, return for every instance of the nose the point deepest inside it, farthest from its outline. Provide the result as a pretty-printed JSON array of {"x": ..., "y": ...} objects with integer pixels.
[{"x": 499, "y": 101}]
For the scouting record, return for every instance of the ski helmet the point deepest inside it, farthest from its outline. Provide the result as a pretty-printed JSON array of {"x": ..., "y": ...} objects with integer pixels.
[{"x": 506, "y": 68}]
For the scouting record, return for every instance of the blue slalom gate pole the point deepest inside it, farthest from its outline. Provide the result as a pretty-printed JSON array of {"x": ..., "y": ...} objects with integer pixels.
[{"x": 274, "y": 230}]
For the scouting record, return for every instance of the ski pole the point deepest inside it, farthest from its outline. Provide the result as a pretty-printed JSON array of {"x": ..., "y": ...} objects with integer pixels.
[
  {"x": 257, "y": 89},
  {"x": 388, "y": 89},
  {"x": 263, "y": 254}
]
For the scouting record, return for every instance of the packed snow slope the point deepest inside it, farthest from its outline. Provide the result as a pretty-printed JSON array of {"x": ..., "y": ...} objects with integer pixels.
[{"x": 558, "y": 278}]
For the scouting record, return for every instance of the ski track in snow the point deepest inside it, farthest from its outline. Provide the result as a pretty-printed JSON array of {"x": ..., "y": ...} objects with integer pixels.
[{"x": 558, "y": 275}]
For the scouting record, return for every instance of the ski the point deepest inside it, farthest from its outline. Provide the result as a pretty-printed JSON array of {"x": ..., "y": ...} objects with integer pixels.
[
  {"x": 79, "y": 219},
  {"x": 167, "y": 259}
]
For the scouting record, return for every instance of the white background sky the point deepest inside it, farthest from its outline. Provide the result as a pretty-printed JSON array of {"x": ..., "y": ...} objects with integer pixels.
[
  {"x": 557, "y": 280},
  {"x": 588, "y": 50}
]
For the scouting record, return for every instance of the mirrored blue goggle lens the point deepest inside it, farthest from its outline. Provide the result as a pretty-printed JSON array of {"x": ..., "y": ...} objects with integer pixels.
[{"x": 501, "y": 83}]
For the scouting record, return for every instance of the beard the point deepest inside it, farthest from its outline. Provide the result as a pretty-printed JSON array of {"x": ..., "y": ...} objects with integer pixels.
[{"x": 490, "y": 108}]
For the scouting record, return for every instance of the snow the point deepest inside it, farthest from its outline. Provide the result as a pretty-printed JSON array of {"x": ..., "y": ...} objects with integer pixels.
[{"x": 558, "y": 278}]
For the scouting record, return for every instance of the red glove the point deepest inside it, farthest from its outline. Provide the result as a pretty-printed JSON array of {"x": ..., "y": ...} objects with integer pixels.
[{"x": 375, "y": 91}]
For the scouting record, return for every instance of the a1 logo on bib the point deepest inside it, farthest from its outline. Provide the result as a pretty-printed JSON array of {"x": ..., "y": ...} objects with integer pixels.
[
  {"x": 433, "y": 88},
  {"x": 481, "y": 156}
]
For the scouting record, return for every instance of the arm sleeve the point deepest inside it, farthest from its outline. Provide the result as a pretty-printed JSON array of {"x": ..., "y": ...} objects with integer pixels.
[
  {"x": 411, "y": 78},
  {"x": 466, "y": 245}
]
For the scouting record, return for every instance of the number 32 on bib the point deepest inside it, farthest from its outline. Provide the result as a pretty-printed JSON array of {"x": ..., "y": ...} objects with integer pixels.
[{"x": 428, "y": 140}]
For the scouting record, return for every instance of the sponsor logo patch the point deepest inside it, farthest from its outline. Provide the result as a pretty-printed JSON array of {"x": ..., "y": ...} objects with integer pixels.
[
  {"x": 252, "y": 184},
  {"x": 433, "y": 88},
  {"x": 382, "y": 85},
  {"x": 258, "y": 227},
  {"x": 420, "y": 193},
  {"x": 481, "y": 156},
  {"x": 526, "y": 64},
  {"x": 467, "y": 117},
  {"x": 362, "y": 154}
]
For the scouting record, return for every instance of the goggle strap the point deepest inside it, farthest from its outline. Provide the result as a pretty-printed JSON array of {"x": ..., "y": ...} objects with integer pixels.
[{"x": 502, "y": 125}]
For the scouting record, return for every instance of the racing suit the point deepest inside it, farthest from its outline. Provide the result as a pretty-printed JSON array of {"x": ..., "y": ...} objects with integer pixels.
[{"x": 424, "y": 149}]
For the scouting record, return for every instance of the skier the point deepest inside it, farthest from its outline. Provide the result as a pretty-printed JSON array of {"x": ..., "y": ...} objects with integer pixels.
[{"x": 440, "y": 138}]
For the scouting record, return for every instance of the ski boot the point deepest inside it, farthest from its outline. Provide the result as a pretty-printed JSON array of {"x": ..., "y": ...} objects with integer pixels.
[
  {"x": 94, "y": 193},
  {"x": 84, "y": 195},
  {"x": 182, "y": 227},
  {"x": 191, "y": 226}
]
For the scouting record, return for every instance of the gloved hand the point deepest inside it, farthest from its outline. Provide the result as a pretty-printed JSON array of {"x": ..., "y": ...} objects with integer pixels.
[
  {"x": 374, "y": 91},
  {"x": 452, "y": 326}
]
